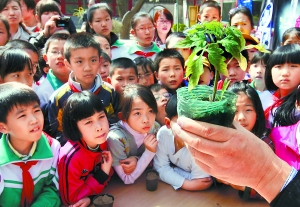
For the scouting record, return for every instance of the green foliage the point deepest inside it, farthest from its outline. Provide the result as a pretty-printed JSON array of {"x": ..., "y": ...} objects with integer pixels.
[
  {"x": 181, "y": 27},
  {"x": 79, "y": 13},
  {"x": 116, "y": 26}
]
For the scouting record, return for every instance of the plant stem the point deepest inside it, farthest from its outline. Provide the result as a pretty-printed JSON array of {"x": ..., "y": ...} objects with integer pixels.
[{"x": 215, "y": 85}]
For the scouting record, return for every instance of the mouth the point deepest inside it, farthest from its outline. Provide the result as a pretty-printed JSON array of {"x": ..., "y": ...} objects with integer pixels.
[
  {"x": 89, "y": 76},
  {"x": 146, "y": 128},
  {"x": 60, "y": 64},
  {"x": 285, "y": 81},
  {"x": 258, "y": 77},
  {"x": 36, "y": 129},
  {"x": 173, "y": 82},
  {"x": 101, "y": 136}
]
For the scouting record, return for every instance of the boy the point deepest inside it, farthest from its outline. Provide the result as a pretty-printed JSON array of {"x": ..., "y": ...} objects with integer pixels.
[
  {"x": 209, "y": 11},
  {"x": 122, "y": 72},
  {"x": 208, "y": 73},
  {"x": 173, "y": 39},
  {"x": 28, "y": 162},
  {"x": 168, "y": 69},
  {"x": 105, "y": 66},
  {"x": 58, "y": 73},
  {"x": 82, "y": 56}
]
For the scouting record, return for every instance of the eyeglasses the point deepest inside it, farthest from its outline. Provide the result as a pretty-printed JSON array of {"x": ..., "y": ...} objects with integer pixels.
[
  {"x": 57, "y": 53},
  {"x": 146, "y": 75},
  {"x": 162, "y": 21},
  {"x": 144, "y": 29},
  {"x": 163, "y": 96}
]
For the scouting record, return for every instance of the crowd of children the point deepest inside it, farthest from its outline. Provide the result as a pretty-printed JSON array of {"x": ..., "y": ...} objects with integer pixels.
[{"x": 87, "y": 105}]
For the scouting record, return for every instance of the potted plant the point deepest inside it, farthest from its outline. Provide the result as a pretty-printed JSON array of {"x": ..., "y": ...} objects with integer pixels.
[{"x": 204, "y": 103}]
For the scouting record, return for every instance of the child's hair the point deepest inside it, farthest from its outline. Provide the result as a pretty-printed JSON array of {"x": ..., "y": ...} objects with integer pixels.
[
  {"x": 46, "y": 6},
  {"x": 260, "y": 57},
  {"x": 287, "y": 33},
  {"x": 144, "y": 62},
  {"x": 14, "y": 94},
  {"x": 241, "y": 87},
  {"x": 53, "y": 38},
  {"x": 105, "y": 57},
  {"x": 30, "y": 4},
  {"x": 100, "y": 35},
  {"x": 138, "y": 16},
  {"x": 173, "y": 35},
  {"x": 228, "y": 56},
  {"x": 171, "y": 107},
  {"x": 284, "y": 54},
  {"x": 122, "y": 63},
  {"x": 133, "y": 91},
  {"x": 244, "y": 10},
  {"x": 13, "y": 60},
  {"x": 169, "y": 17},
  {"x": 167, "y": 53},
  {"x": 6, "y": 24},
  {"x": 79, "y": 41},
  {"x": 210, "y": 3},
  {"x": 42, "y": 63},
  {"x": 157, "y": 87},
  {"x": 79, "y": 106},
  {"x": 285, "y": 114}
]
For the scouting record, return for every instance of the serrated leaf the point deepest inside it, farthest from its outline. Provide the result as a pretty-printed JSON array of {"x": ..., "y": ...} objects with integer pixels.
[
  {"x": 198, "y": 70},
  {"x": 260, "y": 48},
  {"x": 185, "y": 43},
  {"x": 216, "y": 59},
  {"x": 243, "y": 62}
]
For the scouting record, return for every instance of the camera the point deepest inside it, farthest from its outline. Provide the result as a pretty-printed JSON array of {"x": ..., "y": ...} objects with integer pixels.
[{"x": 63, "y": 22}]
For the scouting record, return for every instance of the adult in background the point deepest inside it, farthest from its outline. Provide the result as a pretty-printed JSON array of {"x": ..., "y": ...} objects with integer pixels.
[
  {"x": 28, "y": 14},
  {"x": 163, "y": 20}
]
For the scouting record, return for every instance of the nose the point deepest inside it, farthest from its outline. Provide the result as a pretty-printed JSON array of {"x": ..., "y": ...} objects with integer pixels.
[
  {"x": 87, "y": 67},
  {"x": 98, "y": 126},
  {"x": 11, "y": 12},
  {"x": 60, "y": 55},
  {"x": 231, "y": 72},
  {"x": 240, "y": 116},
  {"x": 145, "y": 118},
  {"x": 33, "y": 119},
  {"x": 285, "y": 70}
]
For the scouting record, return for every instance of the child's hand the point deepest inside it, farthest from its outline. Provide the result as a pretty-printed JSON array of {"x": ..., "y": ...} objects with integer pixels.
[
  {"x": 129, "y": 165},
  {"x": 107, "y": 161},
  {"x": 84, "y": 202},
  {"x": 150, "y": 142},
  {"x": 50, "y": 26}
]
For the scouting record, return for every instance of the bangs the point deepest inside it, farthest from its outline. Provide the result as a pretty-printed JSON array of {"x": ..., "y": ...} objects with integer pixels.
[
  {"x": 48, "y": 6},
  {"x": 285, "y": 54}
]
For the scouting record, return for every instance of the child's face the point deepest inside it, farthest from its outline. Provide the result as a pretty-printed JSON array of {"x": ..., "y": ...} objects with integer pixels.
[
  {"x": 209, "y": 14},
  {"x": 94, "y": 129},
  {"x": 104, "y": 45},
  {"x": 122, "y": 77},
  {"x": 145, "y": 78},
  {"x": 162, "y": 96},
  {"x": 257, "y": 72},
  {"x": 293, "y": 39},
  {"x": 24, "y": 123},
  {"x": 242, "y": 22},
  {"x": 3, "y": 34},
  {"x": 55, "y": 59},
  {"x": 34, "y": 59},
  {"x": 101, "y": 23},
  {"x": 12, "y": 12},
  {"x": 185, "y": 52},
  {"x": 25, "y": 76},
  {"x": 245, "y": 113},
  {"x": 163, "y": 25},
  {"x": 26, "y": 12},
  {"x": 144, "y": 32},
  {"x": 84, "y": 63},
  {"x": 235, "y": 73},
  {"x": 141, "y": 117},
  {"x": 206, "y": 77},
  {"x": 46, "y": 16},
  {"x": 286, "y": 76},
  {"x": 170, "y": 73},
  {"x": 104, "y": 70}
]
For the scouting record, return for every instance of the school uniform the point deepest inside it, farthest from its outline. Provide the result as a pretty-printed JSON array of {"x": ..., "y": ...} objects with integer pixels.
[{"x": 136, "y": 50}]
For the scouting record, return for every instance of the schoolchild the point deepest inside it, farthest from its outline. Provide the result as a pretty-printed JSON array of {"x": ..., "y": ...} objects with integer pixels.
[
  {"x": 131, "y": 145},
  {"x": 173, "y": 161},
  {"x": 84, "y": 165},
  {"x": 82, "y": 56},
  {"x": 105, "y": 66},
  {"x": 58, "y": 73},
  {"x": 4, "y": 28},
  {"x": 145, "y": 71},
  {"x": 28, "y": 162},
  {"x": 291, "y": 36},
  {"x": 173, "y": 39},
  {"x": 209, "y": 11},
  {"x": 104, "y": 43}
]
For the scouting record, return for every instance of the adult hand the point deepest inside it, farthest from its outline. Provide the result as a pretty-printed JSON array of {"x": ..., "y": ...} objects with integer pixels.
[{"x": 234, "y": 155}]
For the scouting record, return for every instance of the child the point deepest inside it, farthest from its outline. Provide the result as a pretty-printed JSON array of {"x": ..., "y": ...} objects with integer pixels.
[
  {"x": 291, "y": 36},
  {"x": 143, "y": 28},
  {"x": 242, "y": 19},
  {"x": 4, "y": 28},
  {"x": 122, "y": 72},
  {"x": 82, "y": 57},
  {"x": 84, "y": 165},
  {"x": 15, "y": 66},
  {"x": 185, "y": 174},
  {"x": 209, "y": 11},
  {"x": 168, "y": 66},
  {"x": 173, "y": 39},
  {"x": 129, "y": 141},
  {"x": 58, "y": 73},
  {"x": 104, "y": 43},
  {"x": 28, "y": 163},
  {"x": 145, "y": 71},
  {"x": 105, "y": 66}
]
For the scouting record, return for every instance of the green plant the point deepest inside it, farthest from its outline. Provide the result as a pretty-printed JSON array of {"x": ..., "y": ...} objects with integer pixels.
[
  {"x": 79, "y": 13},
  {"x": 181, "y": 27},
  {"x": 116, "y": 26}
]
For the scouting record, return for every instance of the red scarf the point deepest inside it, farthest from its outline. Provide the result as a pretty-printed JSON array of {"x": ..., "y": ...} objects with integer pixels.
[
  {"x": 75, "y": 90},
  {"x": 144, "y": 54},
  {"x": 277, "y": 102}
]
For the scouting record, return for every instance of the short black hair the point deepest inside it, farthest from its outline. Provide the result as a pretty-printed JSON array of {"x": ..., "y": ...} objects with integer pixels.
[
  {"x": 284, "y": 54},
  {"x": 6, "y": 25},
  {"x": 287, "y": 33},
  {"x": 133, "y": 91},
  {"x": 167, "y": 53},
  {"x": 105, "y": 57},
  {"x": 30, "y": 4},
  {"x": 260, "y": 57},
  {"x": 244, "y": 10},
  {"x": 144, "y": 62},
  {"x": 14, "y": 94},
  {"x": 259, "y": 128},
  {"x": 22, "y": 44},
  {"x": 46, "y": 6},
  {"x": 210, "y": 3},
  {"x": 171, "y": 107},
  {"x": 13, "y": 60},
  {"x": 157, "y": 87},
  {"x": 122, "y": 63},
  {"x": 55, "y": 37},
  {"x": 174, "y": 35},
  {"x": 79, "y": 106},
  {"x": 79, "y": 41}
]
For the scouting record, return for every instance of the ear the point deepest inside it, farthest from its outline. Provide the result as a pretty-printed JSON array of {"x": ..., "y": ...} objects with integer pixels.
[
  {"x": 37, "y": 18},
  {"x": 108, "y": 80},
  {"x": 120, "y": 116},
  {"x": 67, "y": 64},
  {"x": 198, "y": 17},
  {"x": 167, "y": 122},
  {"x": 132, "y": 32},
  {"x": 156, "y": 75},
  {"x": 212, "y": 75},
  {"x": 91, "y": 25},
  {"x": 3, "y": 128},
  {"x": 297, "y": 106},
  {"x": 45, "y": 58},
  {"x": 100, "y": 60}
]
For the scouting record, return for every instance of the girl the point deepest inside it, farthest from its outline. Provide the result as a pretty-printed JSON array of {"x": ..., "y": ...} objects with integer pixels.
[
  {"x": 145, "y": 71},
  {"x": 285, "y": 133},
  {"x": 142, "y": 26},
  {"x": 11, "y": 10},
  {"x": 282, "y": 75},
  {"x": 242, "y": 19},
  {"x": 129, "y": 140},
  {"x": 104, "y": 43},
  {"x": 291, "y": 36},
  {"x": 84, "y": 165},
  {"x": 4, "y": 28},
  {"x": 163, "y": 20}
]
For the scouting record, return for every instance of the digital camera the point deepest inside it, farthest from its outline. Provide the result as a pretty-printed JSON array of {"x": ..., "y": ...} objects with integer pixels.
[{"x": 63, "y": 22}]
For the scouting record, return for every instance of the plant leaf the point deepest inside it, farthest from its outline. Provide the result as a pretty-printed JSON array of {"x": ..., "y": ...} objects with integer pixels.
[
  {"x": 260, "y": 48},
  {"x": 216, "y": 59},
  {"x": 198, "y": 70},
  {"x": 224, "y": 87}
]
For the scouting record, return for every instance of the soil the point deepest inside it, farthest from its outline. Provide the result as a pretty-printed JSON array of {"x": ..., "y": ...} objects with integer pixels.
[
  {"x": 151, "y": 176},
  {"x": 105, "y": 199}
]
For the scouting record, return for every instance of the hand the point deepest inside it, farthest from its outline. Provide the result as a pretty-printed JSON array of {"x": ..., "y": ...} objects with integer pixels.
[
  {"x": 150, "y": 142},
  {"x": 129, "y": 165},
  {"x": 197, "y": 184},
  {"x": 233, "y": 155},
  {"x": 84, "y": 202},
  {"x": 107, "y": 161},
  {"x": 50, "y": 26}
]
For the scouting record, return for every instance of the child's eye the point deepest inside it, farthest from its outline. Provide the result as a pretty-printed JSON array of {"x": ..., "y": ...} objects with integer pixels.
[
  {"x": 88, "y": 122},
  {"x": 151, "y": 111},
  {"x": 16, "y": 76},
  {"x": 137, "y": 113},
  {"x": 94, "y": 60},
  {"x": 37, "y": 110},
  {"x": 21, "y": 116},
  {"x": 178, "y": 68},
  {"x": 79, "y": 62}
]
